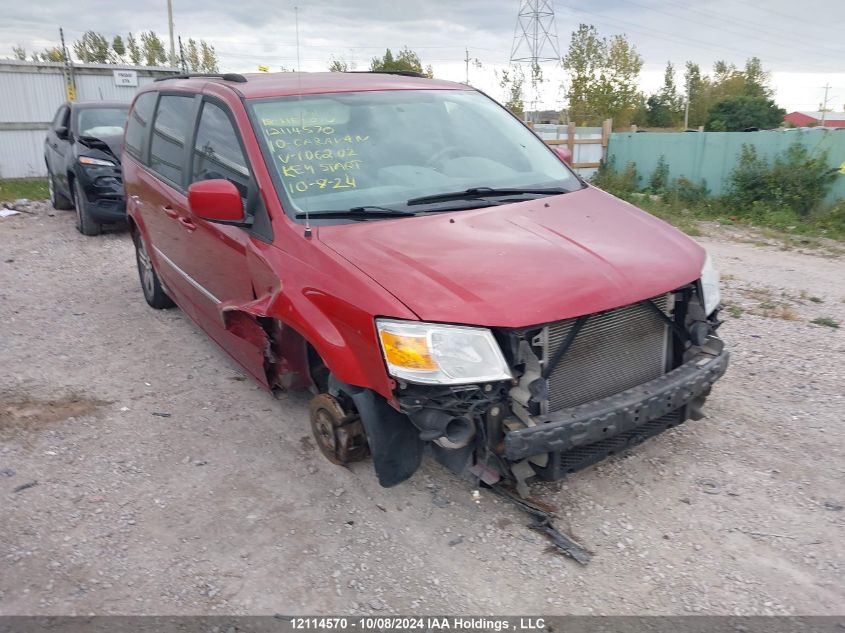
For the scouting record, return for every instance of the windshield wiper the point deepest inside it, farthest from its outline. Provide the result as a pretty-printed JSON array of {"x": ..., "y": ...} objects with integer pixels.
[
  {"x": 358, "y": 212},
  {"x": 484, "y": 192}
]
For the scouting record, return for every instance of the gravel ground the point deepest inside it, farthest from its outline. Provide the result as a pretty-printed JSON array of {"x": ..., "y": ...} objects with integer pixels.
[{"x": 167, "y": 483}]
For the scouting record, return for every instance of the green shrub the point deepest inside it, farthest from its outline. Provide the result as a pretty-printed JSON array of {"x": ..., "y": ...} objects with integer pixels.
[
  {"x": 795, "y": 181},
  {"x": 659, "y": 181},
  {"x": 620, "y": 184},
  {"x": 688, "y": 193}
]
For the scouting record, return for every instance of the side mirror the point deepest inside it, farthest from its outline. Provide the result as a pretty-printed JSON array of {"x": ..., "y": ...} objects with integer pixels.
[
  {"x": 62, "y": 132},
  {"x": 216, "y": 201},
  {"x": 564, "y": 154}
]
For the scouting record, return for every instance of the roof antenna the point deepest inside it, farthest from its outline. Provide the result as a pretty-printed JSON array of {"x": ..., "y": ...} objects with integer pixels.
[{"x": 299, "y": 100}]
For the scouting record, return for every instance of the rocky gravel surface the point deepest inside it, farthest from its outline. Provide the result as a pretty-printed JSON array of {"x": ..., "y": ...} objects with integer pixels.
[{"x": 142, "y": 473}]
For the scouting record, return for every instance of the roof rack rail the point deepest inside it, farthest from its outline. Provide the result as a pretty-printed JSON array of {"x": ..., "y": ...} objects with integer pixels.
[
  {"x": 402, "y": 73},
  {"x": 237, "y": 78}
]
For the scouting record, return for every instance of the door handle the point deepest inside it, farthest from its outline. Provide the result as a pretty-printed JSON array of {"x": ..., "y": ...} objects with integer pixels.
[
  {"x": 170, "y": 211},
  {"x": 187, "y": 224}
]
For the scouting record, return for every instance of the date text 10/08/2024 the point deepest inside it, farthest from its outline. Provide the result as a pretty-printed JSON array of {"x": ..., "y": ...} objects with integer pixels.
[{"x": 427, "y": 623}]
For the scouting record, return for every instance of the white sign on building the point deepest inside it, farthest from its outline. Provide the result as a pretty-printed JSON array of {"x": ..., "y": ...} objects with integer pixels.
[{"x": 126, "y": 78}]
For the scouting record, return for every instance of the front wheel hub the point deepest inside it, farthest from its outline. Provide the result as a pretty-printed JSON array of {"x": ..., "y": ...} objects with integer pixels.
[{"x": 339, "y": 434}]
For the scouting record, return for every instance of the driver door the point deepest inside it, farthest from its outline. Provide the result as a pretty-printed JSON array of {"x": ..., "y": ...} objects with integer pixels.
[{"x": 215, "y": 255}]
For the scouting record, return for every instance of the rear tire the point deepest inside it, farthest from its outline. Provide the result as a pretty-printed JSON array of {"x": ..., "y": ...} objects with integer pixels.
[
  {"x": 58, "y": 200},
  {"x": 150, "y": 284},
  {"x": 85, "y": 224}
]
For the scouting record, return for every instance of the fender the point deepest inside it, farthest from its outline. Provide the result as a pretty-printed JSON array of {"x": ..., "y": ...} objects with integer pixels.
[{"x": 394, "y": 441}]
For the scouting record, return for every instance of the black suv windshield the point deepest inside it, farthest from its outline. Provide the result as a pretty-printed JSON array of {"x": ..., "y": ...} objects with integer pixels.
[
  {"x": 332, "y": 153},
  {"x": 99, "y": 122}
]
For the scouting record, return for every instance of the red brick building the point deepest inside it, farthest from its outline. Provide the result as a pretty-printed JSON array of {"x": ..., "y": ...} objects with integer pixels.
[{"x": 803, "y": 119}]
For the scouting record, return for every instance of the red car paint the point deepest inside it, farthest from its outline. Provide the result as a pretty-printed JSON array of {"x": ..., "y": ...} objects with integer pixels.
[
  {"x": 522, "y": 264},
  {"x": 511, "y": 265}
]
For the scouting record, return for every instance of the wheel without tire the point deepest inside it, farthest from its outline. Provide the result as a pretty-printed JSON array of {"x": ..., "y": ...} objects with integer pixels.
[
  {"x": 58, "y": 200},
  {"x": 150, "y": 284},
  {"x": 339, "y": 435},
  {"x": 85, "y": 224}
]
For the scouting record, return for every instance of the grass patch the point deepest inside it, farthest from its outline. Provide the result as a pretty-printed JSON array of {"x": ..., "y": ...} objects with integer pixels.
[
  {"x": 14, "y": 188},
  {"x": 735, "y": 311},
  {"x": 826, "y": 321},
  {"x": 808, "y": 297},
  {"x": 778, "y": 312}
]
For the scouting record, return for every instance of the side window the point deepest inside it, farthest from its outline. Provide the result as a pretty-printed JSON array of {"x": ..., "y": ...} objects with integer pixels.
[
  {"x": 170, "y": 129},
  {"x": 217, "y": 150},
  {"x": 138, "y": 124}
]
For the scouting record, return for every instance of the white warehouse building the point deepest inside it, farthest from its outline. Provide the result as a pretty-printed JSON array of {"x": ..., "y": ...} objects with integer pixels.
[{"x": 31, "y": 92}]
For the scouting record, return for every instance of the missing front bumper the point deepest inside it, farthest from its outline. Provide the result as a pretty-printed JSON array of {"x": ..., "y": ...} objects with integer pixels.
[{"x": 595, "y": 421}]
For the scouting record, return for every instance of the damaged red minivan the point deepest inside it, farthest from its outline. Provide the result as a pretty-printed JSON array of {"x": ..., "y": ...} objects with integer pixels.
[{"x": 422, "y": 262}]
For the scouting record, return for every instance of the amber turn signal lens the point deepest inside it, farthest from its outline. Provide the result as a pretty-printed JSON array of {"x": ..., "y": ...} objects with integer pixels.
[{"x": 410, "y": 352}]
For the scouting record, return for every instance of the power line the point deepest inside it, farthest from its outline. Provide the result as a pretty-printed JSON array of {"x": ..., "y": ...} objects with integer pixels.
[
  {"x": 634, "y": 27},
  {"x": 723, "y": 27}
]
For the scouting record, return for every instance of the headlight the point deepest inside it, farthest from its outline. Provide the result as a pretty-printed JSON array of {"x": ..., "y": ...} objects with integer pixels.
[
  {"x": 711, "y": 295},
  {"x": 429, "y": 353},
  {"x": 87, "y": 160}
]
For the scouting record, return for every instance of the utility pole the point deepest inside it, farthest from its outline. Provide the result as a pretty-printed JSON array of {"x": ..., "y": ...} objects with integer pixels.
[
  {"x": 535, "y": 38},
  {"x": 70, "y": 83},
  {"x": 824, "y": 103},
  {"x": 686, "y": 111},
  {"x": 466, "y": 59},
  {"x": 184, "y": 66},
  {"x": 170, "y": 29}
]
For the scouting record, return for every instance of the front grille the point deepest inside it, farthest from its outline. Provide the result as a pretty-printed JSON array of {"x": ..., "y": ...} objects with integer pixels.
[{"x": 614, "y": 351}]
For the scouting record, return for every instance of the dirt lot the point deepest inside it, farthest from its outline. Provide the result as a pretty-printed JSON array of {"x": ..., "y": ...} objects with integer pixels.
[{"x": 169, "y": 484}]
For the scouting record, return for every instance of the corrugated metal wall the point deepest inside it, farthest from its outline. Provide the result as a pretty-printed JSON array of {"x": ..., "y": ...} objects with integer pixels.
[
  {"x": 30, "y": 94},
  {"x": 711, "y": 156}
]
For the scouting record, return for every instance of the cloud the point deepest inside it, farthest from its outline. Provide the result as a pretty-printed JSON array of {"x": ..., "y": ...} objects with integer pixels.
[{"x": 248, "y": 33}]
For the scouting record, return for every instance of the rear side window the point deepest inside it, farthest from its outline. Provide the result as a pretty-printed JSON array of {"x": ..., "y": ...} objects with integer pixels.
[
  {"x": 138, "y": 124},
  {"x": 167, "y": 148},
  {"x": 217, "y": 150}
]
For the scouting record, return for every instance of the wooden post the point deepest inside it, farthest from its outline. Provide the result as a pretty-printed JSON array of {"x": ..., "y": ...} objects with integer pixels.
[
  {"x": 570, "y": 139},
  {"x": 606, "y": 129}
]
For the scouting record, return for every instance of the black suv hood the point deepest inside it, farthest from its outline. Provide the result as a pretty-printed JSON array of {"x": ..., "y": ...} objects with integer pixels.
[{"x": 111, "y": 146}]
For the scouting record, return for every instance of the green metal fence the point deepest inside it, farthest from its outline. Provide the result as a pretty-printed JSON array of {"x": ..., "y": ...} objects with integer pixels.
[{"x": 710, "y": 157}]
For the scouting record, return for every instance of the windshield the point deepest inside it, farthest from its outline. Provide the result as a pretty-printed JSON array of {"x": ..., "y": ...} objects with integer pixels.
[
  {"x": 347, "y": 151},
  {"x": 99, "y": 122}
]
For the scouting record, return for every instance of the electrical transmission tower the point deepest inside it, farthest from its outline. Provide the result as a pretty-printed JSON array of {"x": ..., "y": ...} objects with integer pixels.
[{"x": 535, "y": 38}]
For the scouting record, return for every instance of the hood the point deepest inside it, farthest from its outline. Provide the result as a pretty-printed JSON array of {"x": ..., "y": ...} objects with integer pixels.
[
  {"x": 521, "y": 264},
  {"x": 110, "y": 145}
]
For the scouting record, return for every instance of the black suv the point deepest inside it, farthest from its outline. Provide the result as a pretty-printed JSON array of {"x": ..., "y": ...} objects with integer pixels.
[{"x": 82, "y": 151}]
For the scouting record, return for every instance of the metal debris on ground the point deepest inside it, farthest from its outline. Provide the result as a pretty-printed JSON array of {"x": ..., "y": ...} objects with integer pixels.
[
  {"x": 542, "y": 522},
  {"x": 23, "y": 487}
]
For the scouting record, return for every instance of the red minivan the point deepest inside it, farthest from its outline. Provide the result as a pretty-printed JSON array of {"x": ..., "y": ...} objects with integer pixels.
[{"x": 421, "y": 261}]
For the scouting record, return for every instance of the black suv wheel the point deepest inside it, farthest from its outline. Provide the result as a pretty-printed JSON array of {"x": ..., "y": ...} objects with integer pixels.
[
  {"x": 85, "y": 224},
  {"x": 58, "y": 200}
]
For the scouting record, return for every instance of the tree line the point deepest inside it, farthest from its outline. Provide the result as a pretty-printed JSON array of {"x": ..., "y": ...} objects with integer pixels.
[
  {"x": 603, "y": 82},
  {"x": 147, "y": 49}
]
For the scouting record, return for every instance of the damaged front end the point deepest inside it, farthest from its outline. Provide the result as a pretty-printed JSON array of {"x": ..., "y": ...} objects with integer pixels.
[{"x": 578, "y": 390}]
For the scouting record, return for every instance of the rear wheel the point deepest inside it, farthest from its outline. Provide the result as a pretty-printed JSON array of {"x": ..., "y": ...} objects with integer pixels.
[
  {"x": 150, "y": 284},
  {"x": 58, "y": 200},
  {"x": 85, "y": 224}
]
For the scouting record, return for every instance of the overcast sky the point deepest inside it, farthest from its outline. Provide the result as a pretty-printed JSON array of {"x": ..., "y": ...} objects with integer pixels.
[{"x": 801, "y": 43}]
